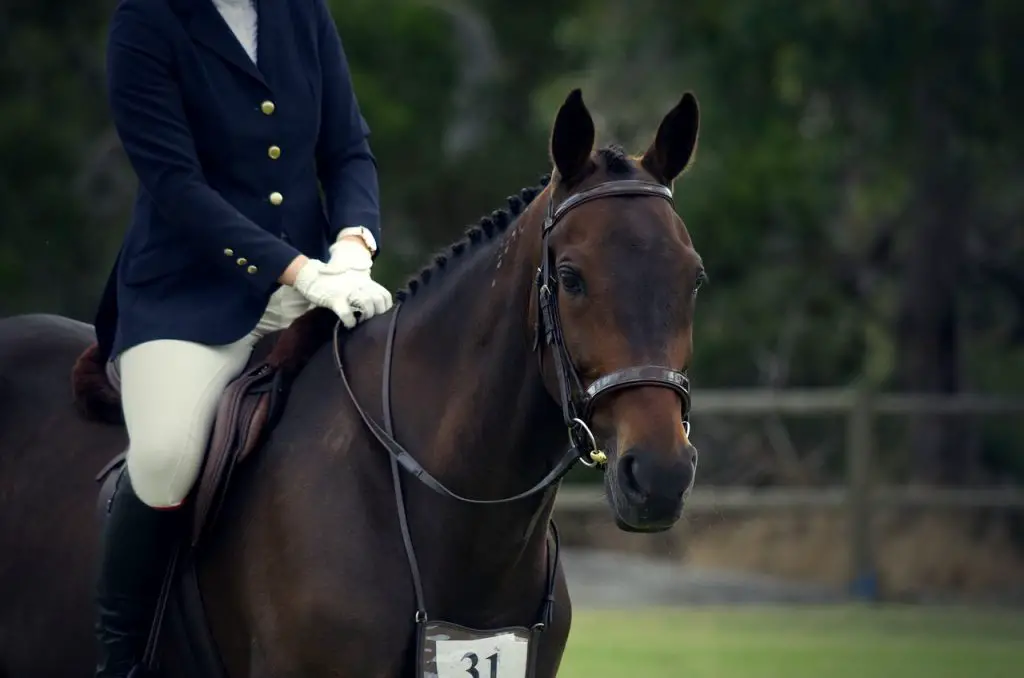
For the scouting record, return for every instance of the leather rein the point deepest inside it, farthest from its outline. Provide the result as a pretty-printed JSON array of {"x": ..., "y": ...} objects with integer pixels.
[{"x": 577, "y": 403}]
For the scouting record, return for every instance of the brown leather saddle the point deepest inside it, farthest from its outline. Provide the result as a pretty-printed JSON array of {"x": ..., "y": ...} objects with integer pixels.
[
  {"x": 247, "y": 412},
  {"x": 249, "y": 409}
]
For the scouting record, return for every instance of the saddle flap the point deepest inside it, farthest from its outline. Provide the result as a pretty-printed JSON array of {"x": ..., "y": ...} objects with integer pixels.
[{"x": 242, "y": 415}]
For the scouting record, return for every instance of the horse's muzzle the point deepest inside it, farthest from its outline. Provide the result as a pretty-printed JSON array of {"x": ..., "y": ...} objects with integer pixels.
[{"x": 649, "y": 490}]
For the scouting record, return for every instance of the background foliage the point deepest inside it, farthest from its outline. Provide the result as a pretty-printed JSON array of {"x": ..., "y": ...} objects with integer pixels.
[{"x": 856, "y": 192}]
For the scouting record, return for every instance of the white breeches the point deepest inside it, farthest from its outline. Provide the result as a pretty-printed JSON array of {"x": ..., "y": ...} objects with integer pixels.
[{"x": 170, "y": 390}]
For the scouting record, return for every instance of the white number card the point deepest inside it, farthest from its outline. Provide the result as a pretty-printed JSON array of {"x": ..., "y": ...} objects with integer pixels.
[{"x": 502, "y": 656}]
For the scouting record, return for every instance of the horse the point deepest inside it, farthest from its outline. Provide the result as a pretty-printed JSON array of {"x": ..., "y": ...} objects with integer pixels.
[{"x": 395, "y": 519}]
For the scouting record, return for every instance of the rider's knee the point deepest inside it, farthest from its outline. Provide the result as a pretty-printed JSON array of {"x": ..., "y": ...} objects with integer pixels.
[{"x": 162, "y": 469}]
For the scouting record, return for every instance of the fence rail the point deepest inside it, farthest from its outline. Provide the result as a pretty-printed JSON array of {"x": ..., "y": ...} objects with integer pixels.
[
  {"x": 725, "y": 499},
  {"x": 842, "y": 401},
  {"x": 859, "y": 496}
]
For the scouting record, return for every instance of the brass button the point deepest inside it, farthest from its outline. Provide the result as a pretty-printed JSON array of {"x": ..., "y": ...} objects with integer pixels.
[
  {"x": 276, "y": 198},
  {"x": 274, "y": 152},
  {"x": 267, "y": 107},
  {"x": 242, "y": 261},
  {"x": 252, "y": 270},
  {"x": 228, "y": 252}
]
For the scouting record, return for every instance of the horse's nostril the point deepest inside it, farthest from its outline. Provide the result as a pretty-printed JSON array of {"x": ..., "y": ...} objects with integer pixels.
[{"x": 628, "y": 470}]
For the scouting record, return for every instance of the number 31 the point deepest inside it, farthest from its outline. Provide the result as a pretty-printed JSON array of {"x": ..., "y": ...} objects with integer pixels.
[{"x": 474, "y": 659}]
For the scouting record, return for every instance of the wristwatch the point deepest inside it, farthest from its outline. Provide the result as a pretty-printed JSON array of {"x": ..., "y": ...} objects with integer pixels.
[{"x": 363, "y": 233}]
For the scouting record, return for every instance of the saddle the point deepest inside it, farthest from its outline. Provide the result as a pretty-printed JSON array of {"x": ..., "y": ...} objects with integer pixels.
[{"x": 247, "y": 413}]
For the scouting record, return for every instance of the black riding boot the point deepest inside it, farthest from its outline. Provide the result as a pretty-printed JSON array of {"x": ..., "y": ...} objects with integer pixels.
[{"x": 136, "y": 548}]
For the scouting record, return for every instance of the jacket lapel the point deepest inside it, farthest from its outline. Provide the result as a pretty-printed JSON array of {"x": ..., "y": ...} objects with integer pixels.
[
  {"x": 272, "y": 18},
  {"x": 207, "y": 26}
]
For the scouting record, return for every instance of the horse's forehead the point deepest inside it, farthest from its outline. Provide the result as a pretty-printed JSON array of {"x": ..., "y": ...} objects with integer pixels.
[
  {"x": 637, "y": 256},
  {"x": 636, "y": 230}
]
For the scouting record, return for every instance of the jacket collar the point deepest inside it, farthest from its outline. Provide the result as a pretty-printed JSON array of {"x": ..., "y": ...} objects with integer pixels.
[{"x": 206, "y": 26}]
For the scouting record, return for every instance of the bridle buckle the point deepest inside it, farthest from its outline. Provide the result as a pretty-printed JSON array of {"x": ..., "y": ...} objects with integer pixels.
[{"x": 595, "y": 457}]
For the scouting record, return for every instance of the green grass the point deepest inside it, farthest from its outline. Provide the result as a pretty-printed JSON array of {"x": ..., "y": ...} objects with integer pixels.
[{"x": 812, "y": 642}]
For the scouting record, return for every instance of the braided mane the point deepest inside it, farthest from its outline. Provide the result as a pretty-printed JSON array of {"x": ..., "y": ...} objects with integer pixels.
[
  {"x": 616, "y": 162},
  {"x": 484, "y": 231}
]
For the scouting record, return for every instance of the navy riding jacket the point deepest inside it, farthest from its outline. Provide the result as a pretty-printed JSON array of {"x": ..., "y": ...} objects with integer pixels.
[{"x": 241, "y": 166}]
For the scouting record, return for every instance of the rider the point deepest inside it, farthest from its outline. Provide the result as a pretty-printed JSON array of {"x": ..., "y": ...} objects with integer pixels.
[{"x": 234, "y": 122}]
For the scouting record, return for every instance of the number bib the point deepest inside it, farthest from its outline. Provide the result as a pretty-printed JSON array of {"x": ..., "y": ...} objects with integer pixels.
[{"x": 453, "y": 651}]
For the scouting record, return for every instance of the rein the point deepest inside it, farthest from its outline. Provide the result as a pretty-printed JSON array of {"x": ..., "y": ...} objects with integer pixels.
[
  {"x": 385, "y": 434},
  {"x": 577, "y": 403}
]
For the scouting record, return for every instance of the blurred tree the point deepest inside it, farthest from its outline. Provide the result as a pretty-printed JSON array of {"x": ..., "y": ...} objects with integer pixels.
[
  {"x": 847, "y": 180},
  {"x": 51, "y": 140},
  {"x": 854, "y": 195}
]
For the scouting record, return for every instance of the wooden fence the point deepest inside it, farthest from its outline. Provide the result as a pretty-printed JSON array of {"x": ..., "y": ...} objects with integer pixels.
[{"x": 858, "y": 495}]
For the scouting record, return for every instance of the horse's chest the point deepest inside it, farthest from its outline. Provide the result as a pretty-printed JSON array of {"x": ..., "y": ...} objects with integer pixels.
[
  {"x": 342, "y": 603},
  {"x": 334, "y": 644},
  {"x": 370, "y": 629}
]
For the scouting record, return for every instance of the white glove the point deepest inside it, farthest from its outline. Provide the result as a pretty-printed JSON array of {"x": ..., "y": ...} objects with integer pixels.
[
  {"x": 350, "y": 292},
  {"x": 349, "y": 254}
]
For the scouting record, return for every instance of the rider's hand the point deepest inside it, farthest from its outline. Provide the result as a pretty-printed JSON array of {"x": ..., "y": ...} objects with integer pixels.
[{"x": 348, "y": 290}]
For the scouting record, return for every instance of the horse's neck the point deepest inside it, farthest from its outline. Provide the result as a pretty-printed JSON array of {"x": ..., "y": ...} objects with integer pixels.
[{"x": 475, "y": 412}]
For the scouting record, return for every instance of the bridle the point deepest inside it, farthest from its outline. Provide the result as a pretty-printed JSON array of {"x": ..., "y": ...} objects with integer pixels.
[{"x": 577, "y": 402}]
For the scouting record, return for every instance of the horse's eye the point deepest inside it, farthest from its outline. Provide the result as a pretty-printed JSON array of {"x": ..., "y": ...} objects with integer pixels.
[
  {"x": 571, "y": 280},
  {"x": 702, "y": 278}
]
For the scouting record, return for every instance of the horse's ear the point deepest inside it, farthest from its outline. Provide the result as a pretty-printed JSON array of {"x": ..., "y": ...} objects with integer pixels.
[
  {"x": 675, "y": 141},
  {"x": 572, "y": 139}
]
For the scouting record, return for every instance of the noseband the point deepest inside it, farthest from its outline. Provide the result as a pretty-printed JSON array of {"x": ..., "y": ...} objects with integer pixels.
[{"x": 576, "y": 401}]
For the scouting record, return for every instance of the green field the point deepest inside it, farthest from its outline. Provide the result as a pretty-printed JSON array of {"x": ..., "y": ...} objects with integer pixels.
[{"x": 835, "y": 642}]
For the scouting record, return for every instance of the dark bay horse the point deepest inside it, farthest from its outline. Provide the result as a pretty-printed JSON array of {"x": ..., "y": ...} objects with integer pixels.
[{"x": 577, "y": 303}]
